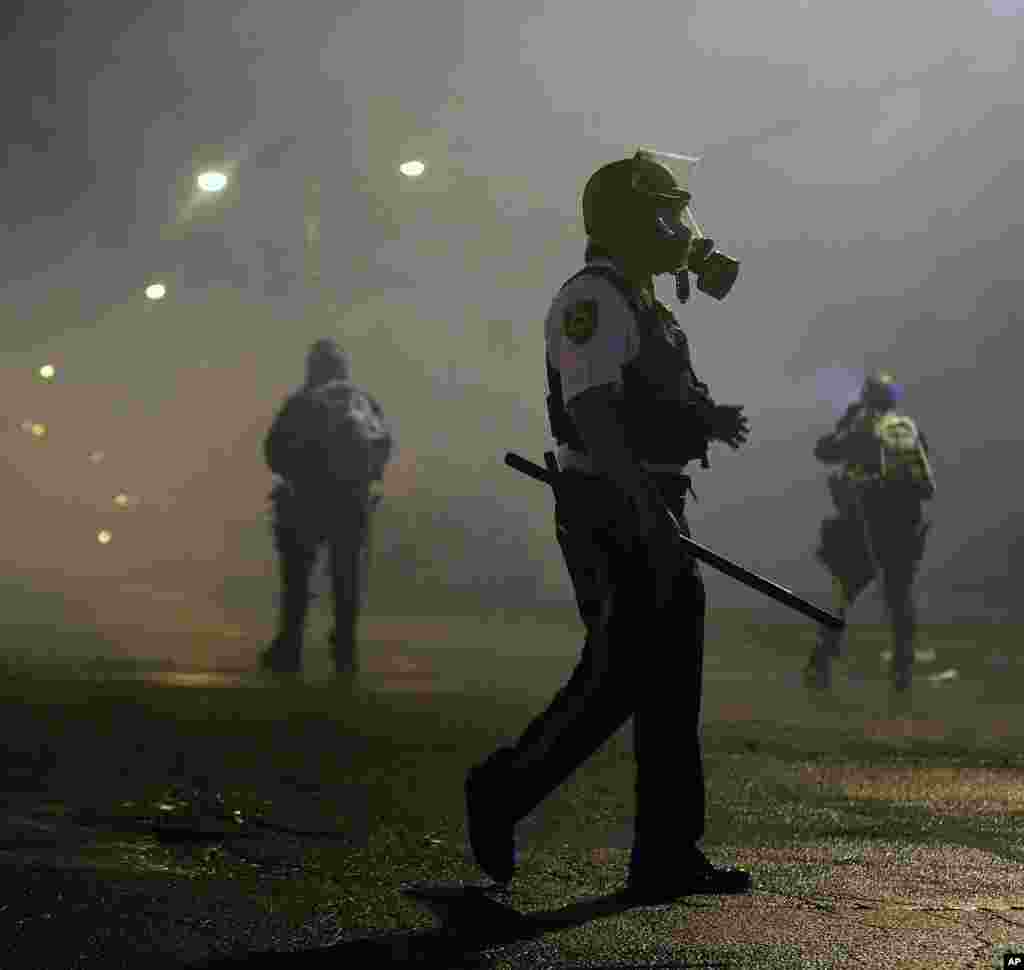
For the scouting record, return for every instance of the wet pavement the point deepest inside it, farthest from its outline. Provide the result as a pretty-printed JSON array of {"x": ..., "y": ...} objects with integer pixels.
[
  {"x": 837, "y": 903},
  {"x": 885, "y": 854}
]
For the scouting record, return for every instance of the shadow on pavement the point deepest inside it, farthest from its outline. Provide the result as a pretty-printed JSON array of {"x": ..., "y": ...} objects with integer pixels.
[
  {"x": 469, "y": 935},
  {"x": 423, "y": 948}
]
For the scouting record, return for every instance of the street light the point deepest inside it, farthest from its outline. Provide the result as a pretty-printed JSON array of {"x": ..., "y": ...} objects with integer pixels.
[
  {"x": 156, "y": 291},
  {"x": 104, "y": 536},
  {"x": 47, "y": 372},
  {"x": 212, "y": 181},
  {"x": 413, "y": 168}
]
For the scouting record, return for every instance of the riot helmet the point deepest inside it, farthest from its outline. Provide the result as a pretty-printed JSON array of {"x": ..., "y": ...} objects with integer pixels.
[
  {"x": 639, "y": 210},
  {"x": 325, "y": 362},
  {"x": 634, "y": 208},
  {"x": 880, "y": 391}
]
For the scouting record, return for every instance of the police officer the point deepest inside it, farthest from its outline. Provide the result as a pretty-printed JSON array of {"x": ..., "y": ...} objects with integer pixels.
[
  {"x": 323, "y": 497},
  {"x": 628, "y": 413},
  {"x": 879, "y": 527}
]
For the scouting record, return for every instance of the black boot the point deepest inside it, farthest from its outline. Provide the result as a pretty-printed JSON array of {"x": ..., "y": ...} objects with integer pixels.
[
  {"x": 284, "y": 655},
  {"x": 818, "y": 672},
  {"x": 343, "y": 654},
  {"x": 490, "y": 823},
  {"x": 692, "y": 876},
  {"x": 902, "y": 659}
]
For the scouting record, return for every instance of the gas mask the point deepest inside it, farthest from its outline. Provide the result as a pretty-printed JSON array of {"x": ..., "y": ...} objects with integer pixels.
[{"x": 715, "y": 272}]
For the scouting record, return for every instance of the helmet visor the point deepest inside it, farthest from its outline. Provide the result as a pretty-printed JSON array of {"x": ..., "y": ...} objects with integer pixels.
[
  {"x": 667, "y": 181},
  {"x": 674, "y": 223},
  {"x": 677, "y": 168}
]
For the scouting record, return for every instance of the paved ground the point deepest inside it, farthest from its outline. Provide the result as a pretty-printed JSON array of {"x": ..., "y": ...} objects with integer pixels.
[{"x": 903, "y": 850}]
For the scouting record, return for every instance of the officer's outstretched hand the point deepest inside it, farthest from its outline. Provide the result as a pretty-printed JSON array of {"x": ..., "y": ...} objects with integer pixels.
[{"x": 728, "y": 425}]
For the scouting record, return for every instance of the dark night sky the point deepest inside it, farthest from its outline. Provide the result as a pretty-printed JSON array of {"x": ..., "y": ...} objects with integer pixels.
[{"x": 863, "y": 161}]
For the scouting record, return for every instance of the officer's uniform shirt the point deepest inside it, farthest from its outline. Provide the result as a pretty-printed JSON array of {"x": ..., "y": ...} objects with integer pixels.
[{"x": 591, "y": 334}]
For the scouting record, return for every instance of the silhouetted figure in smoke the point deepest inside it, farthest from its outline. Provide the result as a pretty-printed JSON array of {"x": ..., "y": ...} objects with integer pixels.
[
  {"x": 879, "y": 527},
  {"x": 327, "y": 444}
]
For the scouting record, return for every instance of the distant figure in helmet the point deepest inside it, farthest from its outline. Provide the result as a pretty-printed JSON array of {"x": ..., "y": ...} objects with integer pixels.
[
  {"x": 878, "y": 530},
  {"x": 628, "y": 414},
  {"x": 327, "y": 444}
]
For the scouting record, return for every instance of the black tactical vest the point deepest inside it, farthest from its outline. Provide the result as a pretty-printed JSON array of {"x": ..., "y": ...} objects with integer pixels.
[{"x": 665, "y": 409}]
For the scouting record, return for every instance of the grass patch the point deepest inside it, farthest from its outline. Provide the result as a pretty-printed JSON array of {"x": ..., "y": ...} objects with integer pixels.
[{"x": 339, "y": 795}]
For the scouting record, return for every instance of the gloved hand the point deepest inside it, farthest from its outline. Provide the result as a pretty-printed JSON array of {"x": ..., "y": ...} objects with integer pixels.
[
  {"x": 847, "y": 420},
  {"x": 728, "y": 425}
]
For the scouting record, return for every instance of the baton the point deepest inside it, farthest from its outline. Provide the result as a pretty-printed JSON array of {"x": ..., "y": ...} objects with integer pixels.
[{"x": 749, "y": 578}]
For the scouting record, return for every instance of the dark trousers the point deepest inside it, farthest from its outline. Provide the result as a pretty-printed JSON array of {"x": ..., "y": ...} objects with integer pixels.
[
  {"x": 303, "y": 525},
  {"x": 640, "y": 659},
  {"x": 879, "y": 534}
]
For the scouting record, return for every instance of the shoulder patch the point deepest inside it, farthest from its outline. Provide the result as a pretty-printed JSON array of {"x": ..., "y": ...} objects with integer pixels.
[{"x": 579, "y": 321}]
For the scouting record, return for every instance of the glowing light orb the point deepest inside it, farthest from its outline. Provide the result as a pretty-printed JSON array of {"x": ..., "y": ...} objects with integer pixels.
[
  {"x": 104, "y": 536},
  {"x": 47, "y": 372},
  {"x": 96, "y": 457},
  {"x": 212, "y": 181},
  {"x": 156, "y": 291},
  {"x": 413, "y": 168},
  {"x": 122, "y": 500},
  {"x": 38, "y": 430}
]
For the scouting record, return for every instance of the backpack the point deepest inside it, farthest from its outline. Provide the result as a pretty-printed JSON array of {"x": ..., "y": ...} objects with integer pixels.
[
  {"x": 903, "y": 459},
  {"x": 355, "y": 440}
]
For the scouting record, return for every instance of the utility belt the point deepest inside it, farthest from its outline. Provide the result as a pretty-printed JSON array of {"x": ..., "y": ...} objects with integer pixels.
[
  {"x": 286, "y": 491},
  {"x": 577, "y": 461}
]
